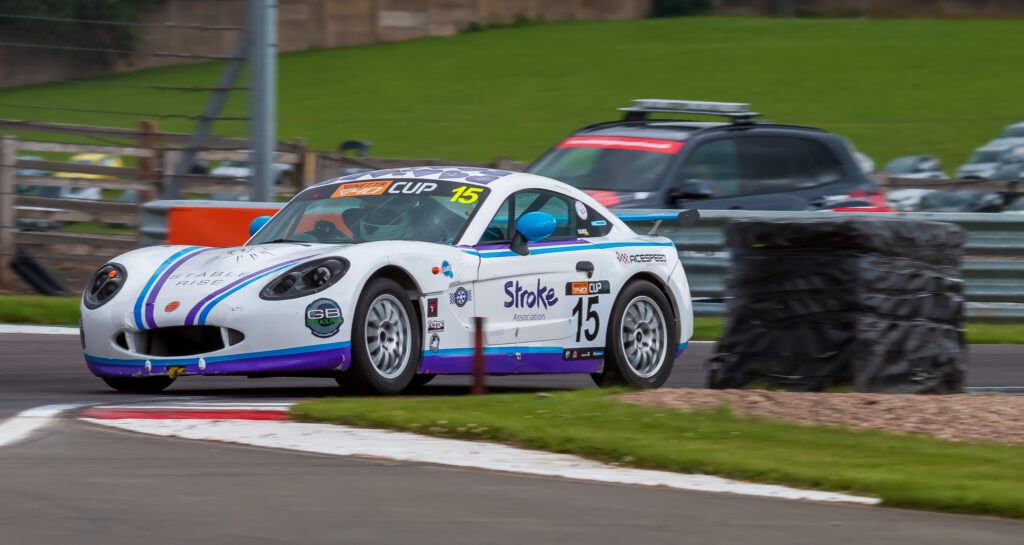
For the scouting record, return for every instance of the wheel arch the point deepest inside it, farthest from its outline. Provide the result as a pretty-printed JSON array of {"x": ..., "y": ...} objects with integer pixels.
[
  {"x": 408, "y": 283},
  {"x": 665, "y": 290}
]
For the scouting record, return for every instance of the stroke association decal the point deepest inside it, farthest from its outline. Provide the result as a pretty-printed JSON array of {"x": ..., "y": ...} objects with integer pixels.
[
  {"x": 520, "y": 296},
  {"x": 323, "y": 318},
  {"x": 460, "y": 297},
  {"x": 633, "y": 259}
]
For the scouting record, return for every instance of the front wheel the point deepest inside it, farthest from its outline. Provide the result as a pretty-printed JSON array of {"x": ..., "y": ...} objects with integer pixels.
[
  {"x": 138, "y": 385},
  {"x": 385, "y": 341},
  {"x": 641, "y": 342}
]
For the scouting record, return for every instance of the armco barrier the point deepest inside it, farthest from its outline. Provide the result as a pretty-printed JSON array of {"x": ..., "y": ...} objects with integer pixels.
[{"x": 993, "y": 264}]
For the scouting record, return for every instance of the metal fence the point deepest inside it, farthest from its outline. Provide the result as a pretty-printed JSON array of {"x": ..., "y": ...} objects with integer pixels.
[{"x": 993, "y": 264}]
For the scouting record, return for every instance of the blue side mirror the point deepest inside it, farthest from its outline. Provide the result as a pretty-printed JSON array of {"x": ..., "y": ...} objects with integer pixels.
[
  {"x": 257, "y": 223},
  {"x": 536, "y": 226}
]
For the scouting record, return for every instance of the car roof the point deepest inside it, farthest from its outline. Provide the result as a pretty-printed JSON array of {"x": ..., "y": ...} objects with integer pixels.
[{"x": 678, "y": 130}]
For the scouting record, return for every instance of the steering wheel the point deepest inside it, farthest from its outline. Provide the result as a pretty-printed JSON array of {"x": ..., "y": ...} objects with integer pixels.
[{"x": 323, "y": 231}]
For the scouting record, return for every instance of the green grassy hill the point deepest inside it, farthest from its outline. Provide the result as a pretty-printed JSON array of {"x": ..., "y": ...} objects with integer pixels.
[{"x": 895, "y": 87}]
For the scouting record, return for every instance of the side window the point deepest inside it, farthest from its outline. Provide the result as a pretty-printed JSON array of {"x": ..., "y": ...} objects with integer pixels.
[
  {"x": 545, "y": 201},
  {"x": 770, "y": 164},
  {"x": 499, "y": 230},
  {"x": 713, "y": 162}
]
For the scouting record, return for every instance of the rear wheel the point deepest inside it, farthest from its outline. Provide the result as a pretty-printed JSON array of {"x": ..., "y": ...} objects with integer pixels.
[
  {"x": 138, "y": 385},
  {"x": 385, "y": 341},
  {"x": 641, "y": 339}
]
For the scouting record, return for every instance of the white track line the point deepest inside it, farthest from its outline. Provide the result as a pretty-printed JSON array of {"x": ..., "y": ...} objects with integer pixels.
[
  {"x": 23, "y": 424},
  {"x": 38, "y": 329},
  {"x": 348, "y": 441}
]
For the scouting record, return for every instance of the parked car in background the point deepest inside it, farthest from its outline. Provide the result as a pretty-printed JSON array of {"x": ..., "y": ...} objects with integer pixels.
[
  {"x": 97, "y": 159},
  {"x": 1017, "y": 206},
  {"x": 283, "y": 173},
  {"x": 924, "y": 167},
  {"x": 907, "y": 199},
  {"x": 1016, "y": 130},
  {"x": 990, "y": 158},
  {"x": 961, "y": 201},
  {"x": 639, "y": 162}
]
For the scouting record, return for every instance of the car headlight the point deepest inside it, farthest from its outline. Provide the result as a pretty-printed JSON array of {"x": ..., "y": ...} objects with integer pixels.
[
  {"x": 306, "y": 279},
  {"x": 104, "y": 285}
]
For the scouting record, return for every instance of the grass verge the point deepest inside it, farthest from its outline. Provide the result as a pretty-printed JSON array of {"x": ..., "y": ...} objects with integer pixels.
[
  {"x": 895, "y": 87},
  {"x": 902, "y": 470},
  {"x": 37, "y": 309}
]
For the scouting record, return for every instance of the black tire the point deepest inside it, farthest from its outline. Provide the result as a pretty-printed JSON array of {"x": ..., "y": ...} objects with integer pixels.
[
  {"x": 138, "y": 385},
  {"x": 364, "y": 376},
  {"x": 653, "y": 365},
  {"x": 422, "y": 380}
]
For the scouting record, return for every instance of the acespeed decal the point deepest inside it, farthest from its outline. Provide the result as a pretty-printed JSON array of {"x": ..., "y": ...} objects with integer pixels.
[
  {"x": 597, "y": 287},
  {"x": 152, "y": 280},
  {"x": 375, "y": 187},
  {"x": 633, "y": 259},
  {"x": 151, "y": 299},
  {"x": 622, "y": 142},
  {"x": 221, "y": 293},
  {"x": 323, "y": 317}
]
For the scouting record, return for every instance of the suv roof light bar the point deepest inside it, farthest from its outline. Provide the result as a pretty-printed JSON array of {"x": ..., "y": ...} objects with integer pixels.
[{"x": 739, "y": 112}]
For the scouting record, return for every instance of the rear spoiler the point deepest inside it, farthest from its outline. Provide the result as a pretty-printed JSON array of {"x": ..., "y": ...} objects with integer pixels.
[{"x": 686, "y": 218}]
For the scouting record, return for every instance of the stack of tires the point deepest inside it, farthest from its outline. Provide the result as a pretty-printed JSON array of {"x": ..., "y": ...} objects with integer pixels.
[{"x": 856, "y": 301}]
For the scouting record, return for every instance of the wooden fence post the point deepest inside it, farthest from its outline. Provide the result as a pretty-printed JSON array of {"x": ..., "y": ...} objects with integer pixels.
[
  {"x": 7, "y": 198},
  {"x": 147, "y": 165}
]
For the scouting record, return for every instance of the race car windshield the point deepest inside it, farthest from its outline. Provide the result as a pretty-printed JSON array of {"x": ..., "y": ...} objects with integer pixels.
[
  {"x": 985, "y": 156},
  {"x": 421, "y": 210},
  {"x": 608, "y": 163}
]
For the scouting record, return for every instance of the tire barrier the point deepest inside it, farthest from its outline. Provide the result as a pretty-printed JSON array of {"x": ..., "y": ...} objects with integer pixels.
[
  {"x": 874, "y": 303},
  {"x": 36, "y": 275}
]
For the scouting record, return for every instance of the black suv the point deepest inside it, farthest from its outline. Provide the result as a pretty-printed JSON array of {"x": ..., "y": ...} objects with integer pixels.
[{"x": 664, "y": 163}]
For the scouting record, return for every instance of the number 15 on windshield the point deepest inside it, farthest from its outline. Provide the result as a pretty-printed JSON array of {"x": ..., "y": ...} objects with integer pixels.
[{"x": 465, "y": 194}]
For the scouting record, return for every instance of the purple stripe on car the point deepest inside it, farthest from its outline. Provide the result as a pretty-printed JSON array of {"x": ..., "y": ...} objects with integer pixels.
[
  {"x": 151, "y": 299},
  {"x": 190, "y": 318},
  {"x": 506, "y": 363},
  {"x": 333, "y": 360}
]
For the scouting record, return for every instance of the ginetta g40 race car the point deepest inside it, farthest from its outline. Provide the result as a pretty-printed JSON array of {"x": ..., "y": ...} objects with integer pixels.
[{"x": 374, "y": 279}]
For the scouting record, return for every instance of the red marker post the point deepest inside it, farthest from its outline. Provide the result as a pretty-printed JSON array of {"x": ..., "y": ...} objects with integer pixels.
[{"x": 478, "y": 356}]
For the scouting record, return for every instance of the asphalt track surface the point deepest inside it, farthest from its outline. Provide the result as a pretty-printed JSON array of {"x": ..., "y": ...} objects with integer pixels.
[{"x": 80, "y": 483}]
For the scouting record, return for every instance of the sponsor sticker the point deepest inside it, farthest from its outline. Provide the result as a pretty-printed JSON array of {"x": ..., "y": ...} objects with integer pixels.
[
  {"x": 435, "y": 325},
  {"x": 619, "y": 142},
  {"x": 435, "y": 343},
  {"x": 172, "y": 306},
  {"x": 323, "y": 317},
  {"x": 572, "y": 354},
  {"x": 598, "y": 223},
  {"x": 354, "y": 189},
  {"x": 581, "y": 210},
  {"x": 432, "y": 307},
  {"x": 583, "y": 232},
  {"x": 632, "y": 259},
  {"x": 596, "y": 287},
  {"x": 413, "y": 188},
  {"x": 250, "y": 253},
  {"x": 460, "y": 297},
  {"x": 446, "y": 269},
  {"x": 520, "y": 296}
]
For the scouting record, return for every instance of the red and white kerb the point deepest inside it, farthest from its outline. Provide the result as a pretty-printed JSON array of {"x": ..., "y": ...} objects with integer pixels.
[{"x": 622, "y": 142}]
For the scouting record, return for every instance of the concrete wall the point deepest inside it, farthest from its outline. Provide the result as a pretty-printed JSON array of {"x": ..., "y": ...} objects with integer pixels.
[{"x": 304, "y": 24}]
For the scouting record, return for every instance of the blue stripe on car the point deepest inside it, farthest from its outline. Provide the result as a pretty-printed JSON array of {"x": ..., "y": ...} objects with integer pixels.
[{"x": 152, "y": 279}]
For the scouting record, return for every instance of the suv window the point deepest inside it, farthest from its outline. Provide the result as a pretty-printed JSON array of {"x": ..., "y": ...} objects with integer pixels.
[
  {"x": 761, "y": 164},
  {"x": 559, "y": 206}
]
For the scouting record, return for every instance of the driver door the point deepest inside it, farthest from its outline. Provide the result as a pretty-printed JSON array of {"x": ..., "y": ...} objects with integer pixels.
[{"x": 523, "y": 297}]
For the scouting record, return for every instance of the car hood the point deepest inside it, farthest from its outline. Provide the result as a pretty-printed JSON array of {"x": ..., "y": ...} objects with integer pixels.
[
  {"x": 976, "y": 168},
  {"x": 176, "y": 286}
]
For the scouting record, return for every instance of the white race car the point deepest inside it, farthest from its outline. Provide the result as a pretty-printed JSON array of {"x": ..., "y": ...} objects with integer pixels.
[{"x": 374, "y": 279}]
